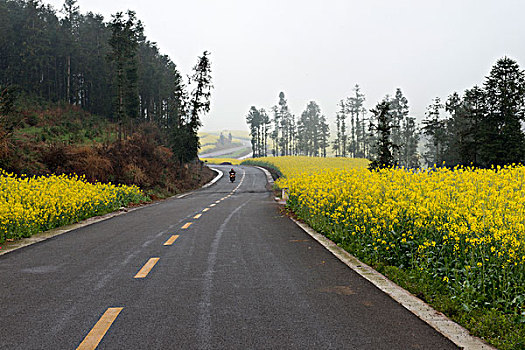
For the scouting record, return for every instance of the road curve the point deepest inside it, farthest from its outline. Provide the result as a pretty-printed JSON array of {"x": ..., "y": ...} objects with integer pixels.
[{"x": 219, "y": 268}]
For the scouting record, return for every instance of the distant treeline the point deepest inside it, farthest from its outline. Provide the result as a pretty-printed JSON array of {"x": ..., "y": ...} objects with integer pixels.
[
  {"x": 107, "y": 68},
  {"x": 283, "y": 134},
  {"x": 482, "y": 127}
]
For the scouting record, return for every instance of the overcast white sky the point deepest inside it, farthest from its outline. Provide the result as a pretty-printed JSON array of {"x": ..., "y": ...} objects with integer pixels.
[{"x": 318, "y": 50}]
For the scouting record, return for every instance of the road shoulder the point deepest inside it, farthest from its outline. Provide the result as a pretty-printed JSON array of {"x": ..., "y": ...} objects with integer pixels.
[
  {"x": 437, "y": 320},
  {"x": 8, "y": 247}
]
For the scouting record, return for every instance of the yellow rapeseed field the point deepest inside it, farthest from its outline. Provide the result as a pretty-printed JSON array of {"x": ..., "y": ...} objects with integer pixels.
[
  {"x": 32, "y": 204},
  {"x": 222, "y": 160},
  {"x": 463, "y": 226}
]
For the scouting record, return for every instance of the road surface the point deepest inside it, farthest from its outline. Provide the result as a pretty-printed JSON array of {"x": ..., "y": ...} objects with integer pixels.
[
  {"x": 216, "y": 154},
  {"x": 220, "y": 268}
]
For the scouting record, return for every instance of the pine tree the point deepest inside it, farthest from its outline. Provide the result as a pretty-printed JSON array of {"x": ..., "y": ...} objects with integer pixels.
[
  {"x": 355, "y": 107},
  {"x": 384, "y": 157},
  {"x": 124, "y": 43},
  {"x": 434, "y": 127},
  {"x": 409, "y": 157},
  {"x": 312, "y": 132},
  {"x": 265, "y": 125},
  {"x": 199, "y": 102},
  {"x": 70, "y": 24},
  {"x": 325, "y": 135},
  {"x": 474, "y": 106},
  {"x": 400, "y": 111},
  {"x": 254, "y": 122},
  {"x": 336, "y": 146},
  {"x": 503, "y": 141},
  {"x": 458, "y": 130}
]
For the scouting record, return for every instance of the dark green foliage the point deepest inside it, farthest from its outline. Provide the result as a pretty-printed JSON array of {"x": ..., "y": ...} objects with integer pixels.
[
  {"x": 408, "y": 154},
  {"x": 339, "y": 145},
  {"x": 284, "y": 133},
  {"x": 383, "y": 129},
  {"x": 308, "y": 136},
  {"x": 109, "y": 69},
  {"x": 502, "y": 139},
  {"x": 354, "y": 106},
  {"x": 200, "y": 96},
  {"x": 124, "y": 43},
  {"x": 434, "y": 127},
  {"x": 312, "y": 132},
  {"x": 259, "y": 122},
  {"x": 353, "y": 139},
  {"x": 404, "y": 133},
  {"x": 484, "y": 126},
  {"x": 198, "y": 104}
]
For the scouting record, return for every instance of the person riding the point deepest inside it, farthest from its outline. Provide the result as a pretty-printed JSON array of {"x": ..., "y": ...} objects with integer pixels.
[{"x": 232, "y": 172}]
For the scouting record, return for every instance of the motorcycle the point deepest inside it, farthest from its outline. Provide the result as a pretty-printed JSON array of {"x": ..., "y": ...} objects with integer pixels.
[{"x": 232, "y": 177}]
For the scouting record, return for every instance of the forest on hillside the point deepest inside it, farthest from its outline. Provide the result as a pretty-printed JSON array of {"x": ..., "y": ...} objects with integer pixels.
[{"x": 65, "y": 71}]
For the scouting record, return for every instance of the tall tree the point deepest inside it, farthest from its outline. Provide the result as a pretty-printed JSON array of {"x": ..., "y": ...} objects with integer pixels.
[
  {"x": 355, "y": 108},
  {"x": 340, "y": 143},
  {"x": 409, "y": 138},
  {"x": 254, "y": 121},
  {"x": 312, "y": 131},
  {"x": 458, "y": 130},
  {"x": 434, "y": 128},
  {"x": 124, "y": 43},
  {"x": 283, "y": 134},
  {"x": 503, "y": 141},
  {"x": 399, "y": 111},
  {"x": 70, "y": 24},
  {"x": 384, "y": 157},
  {"x": 474, "y": 107},
  {"x": 265, "y": 123},
  {"x": 336, "y": 146},
  {"x": 325, "y": 135},
  {"x": 199, "y": 102}
]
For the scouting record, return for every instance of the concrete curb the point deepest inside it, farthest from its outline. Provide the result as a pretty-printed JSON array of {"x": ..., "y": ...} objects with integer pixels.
[
  {"x": 269, "y": 177},
  {"x": 9, "y": 247},
  {"x": 215, "y": 179},
  {"x": 448, "y": 328}
]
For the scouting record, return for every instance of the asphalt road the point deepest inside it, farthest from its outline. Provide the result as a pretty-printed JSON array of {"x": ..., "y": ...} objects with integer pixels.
[{"x": 241, "y": 276}]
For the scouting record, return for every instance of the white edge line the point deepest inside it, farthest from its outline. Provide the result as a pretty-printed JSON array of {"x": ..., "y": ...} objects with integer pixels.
[
  {"x": 42, "y": 236},
  {"x": 219, "y": 175},
  {"x": 448, "y": 328},
  {"x": 269, "y": 177}
]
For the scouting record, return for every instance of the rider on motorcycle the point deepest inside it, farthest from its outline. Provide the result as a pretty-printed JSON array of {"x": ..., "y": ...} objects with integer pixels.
[{"x": 232, "y": 175}]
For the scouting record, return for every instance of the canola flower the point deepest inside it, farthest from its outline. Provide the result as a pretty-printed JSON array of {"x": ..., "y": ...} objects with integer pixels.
[
  {"x": 463, "y": 226},
  {"x": 233, "y": 161},
  {"x": 32, "y": 204}
]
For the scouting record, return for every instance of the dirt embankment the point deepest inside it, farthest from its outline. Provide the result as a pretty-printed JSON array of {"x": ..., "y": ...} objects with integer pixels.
[{"x": 71, "y": 141}]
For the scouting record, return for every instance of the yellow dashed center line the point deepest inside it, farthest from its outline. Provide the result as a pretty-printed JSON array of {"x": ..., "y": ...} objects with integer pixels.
[
  {"x": 146, "y": 268},
  {"x": 197, "y": 216},
  {"x": 186, "y": 225},
  {"x": 96, "y": 334},
  {"x": 171, "y": 240}
]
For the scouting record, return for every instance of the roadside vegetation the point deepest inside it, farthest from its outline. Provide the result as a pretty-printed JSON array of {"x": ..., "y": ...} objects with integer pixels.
[
  {"x": 233, "y": 161},
  {"x": 85, "y": 101},
  {"x": 32, "y": 204},
  {"x": 453, "y": 237}
]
